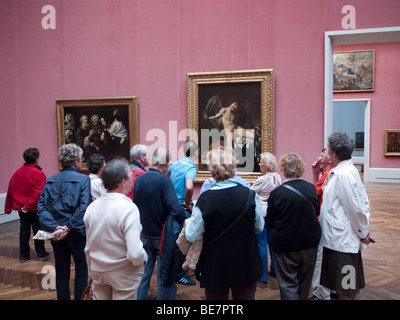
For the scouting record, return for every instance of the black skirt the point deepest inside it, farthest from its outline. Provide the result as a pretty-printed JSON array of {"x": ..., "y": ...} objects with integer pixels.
[{"x": 342, "y": 272}]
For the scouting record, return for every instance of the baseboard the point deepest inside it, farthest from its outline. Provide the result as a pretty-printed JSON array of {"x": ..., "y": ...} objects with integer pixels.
[
  {"x": 6, "y": 217},
  {"x": 384, "y": 175}
]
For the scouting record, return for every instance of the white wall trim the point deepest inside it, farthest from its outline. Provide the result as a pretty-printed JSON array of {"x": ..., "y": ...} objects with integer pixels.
[
  {"x": 6, "y": 217},
  {"x": 385, "y": 175}
]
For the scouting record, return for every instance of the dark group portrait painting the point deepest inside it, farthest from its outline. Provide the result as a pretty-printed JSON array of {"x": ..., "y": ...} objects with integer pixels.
[
  {"x": 97, "y": 128},
  {"x": 231, "y": 114}
]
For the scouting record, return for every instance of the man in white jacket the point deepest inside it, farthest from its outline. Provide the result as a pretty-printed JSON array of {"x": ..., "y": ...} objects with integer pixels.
[{"x": 114, "y": 251}]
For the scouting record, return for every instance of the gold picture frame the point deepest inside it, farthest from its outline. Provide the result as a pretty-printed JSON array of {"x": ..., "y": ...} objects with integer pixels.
[
  {"x": 210, "y": 92},
  {"x": 108, "y": 126},
  {"x": 354, "y": 71},
  {"x": 392, "y": 142}
]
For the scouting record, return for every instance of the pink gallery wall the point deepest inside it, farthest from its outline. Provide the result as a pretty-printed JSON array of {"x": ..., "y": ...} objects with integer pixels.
[
  {"x": 385, "y": 99},
  {"x": 107, "y": 48}
]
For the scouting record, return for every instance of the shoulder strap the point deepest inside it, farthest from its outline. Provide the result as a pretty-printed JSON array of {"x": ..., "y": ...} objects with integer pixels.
[
  {"x": 235, "y": 221},
  {"x": 299, "y": 193}
]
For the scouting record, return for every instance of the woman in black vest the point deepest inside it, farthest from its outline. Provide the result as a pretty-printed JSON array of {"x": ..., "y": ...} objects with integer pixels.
[
  {"x": 294, "y": 229},
  {"x": 227, "y": 217}
]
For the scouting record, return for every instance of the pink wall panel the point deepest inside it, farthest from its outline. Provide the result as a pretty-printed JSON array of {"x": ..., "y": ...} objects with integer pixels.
[
  {"x": 38, "y": 74},
  {"x": 220, "y": 35},
  {"x": 157, "y": 65},
  {"x": 89, "y": 48},
  {"x": 298, "y": 64},
  {"x": 9, "y": 156},
  {"x": 369, "y": 14},
  {"x": 106, "y": 48},
  {"x": 125, "y": 60}
]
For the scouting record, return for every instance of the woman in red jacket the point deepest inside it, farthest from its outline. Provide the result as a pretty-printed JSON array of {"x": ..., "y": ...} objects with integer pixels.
[{"x": 23, "y": 195}]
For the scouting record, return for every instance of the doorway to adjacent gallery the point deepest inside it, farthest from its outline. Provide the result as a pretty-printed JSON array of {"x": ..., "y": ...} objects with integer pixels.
[{"x": 352, "y": 116}]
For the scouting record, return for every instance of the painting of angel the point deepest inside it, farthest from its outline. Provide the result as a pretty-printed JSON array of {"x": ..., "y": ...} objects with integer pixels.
[{"x": 234, "y": 110}]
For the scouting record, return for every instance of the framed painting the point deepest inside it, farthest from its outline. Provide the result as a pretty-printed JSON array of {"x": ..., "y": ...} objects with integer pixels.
[
  {"x": 359, "y": 140},
  {"x": 354, "y": 71},
  {"x": 392, "y": 142},
  {"x": 108, "y": 126},
  {"x": 232, "y": 109}
]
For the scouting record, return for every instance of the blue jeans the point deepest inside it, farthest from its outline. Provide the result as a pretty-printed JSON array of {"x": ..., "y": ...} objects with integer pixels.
[
  {"x": 262, "y": 242},
  {"x": 152, "y": 248},
  {"x": 63, "y": 249}
]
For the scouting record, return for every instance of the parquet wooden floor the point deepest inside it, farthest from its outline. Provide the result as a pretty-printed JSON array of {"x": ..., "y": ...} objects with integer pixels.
[{"x": 381, "y": 260}]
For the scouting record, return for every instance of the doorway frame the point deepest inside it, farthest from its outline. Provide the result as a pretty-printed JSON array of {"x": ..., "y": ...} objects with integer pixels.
[
  {"x": 348, "y": 37},
  {"x": 367, "y": 131}
]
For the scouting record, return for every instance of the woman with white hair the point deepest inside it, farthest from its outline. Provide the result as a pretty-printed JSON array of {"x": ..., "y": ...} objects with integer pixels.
[
  {"x": 227, "y": 217},
  {"x": 263, "y": 186}
]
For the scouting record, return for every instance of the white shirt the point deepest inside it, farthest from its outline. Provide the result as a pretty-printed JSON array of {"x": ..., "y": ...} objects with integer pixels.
[
  {"x": 345, "y": 210},
  {"x": 264, "y": 185},
  {"x": 96, "y": 186},
  {"x": 113, "y": 233}
]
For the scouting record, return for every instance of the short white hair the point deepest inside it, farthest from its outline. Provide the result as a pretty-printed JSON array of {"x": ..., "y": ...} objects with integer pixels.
[
  {"x": 137, "y": 150},
  {"x": 269, "y": 160}
]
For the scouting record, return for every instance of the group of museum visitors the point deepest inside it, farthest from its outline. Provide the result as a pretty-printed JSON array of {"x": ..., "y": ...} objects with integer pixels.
[{"x": 123, "y": 219}]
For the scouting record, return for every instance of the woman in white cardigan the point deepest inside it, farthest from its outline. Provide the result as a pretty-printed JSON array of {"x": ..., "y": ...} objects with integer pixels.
[{"x": 263, "y": 186}]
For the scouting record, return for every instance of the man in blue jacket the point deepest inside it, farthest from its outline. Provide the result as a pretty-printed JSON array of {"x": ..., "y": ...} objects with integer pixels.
[
  {"x": 155, "y": 196},
  {"x": 61, "y": 208}
]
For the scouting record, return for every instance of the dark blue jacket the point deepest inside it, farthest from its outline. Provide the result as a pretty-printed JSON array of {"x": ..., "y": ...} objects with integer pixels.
[
  {"x": 155, "y": 196},
  {"x": 64, "y": 200},
  {"x": 171, "y": 261}
]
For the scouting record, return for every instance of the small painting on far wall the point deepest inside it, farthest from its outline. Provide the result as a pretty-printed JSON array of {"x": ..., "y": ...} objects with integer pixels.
[
  {"x": 353, "y": 71},
  {"x": 392, "y": 142},
  {"x": 359, "y": 140}
]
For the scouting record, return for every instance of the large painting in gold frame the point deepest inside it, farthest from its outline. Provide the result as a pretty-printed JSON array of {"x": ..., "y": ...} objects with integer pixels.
[
  {"x": 108, "y": 126},
  {"x": 253, "y": 93}
]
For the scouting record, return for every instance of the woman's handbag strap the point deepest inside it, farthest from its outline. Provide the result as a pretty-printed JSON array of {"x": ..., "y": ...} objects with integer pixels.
[
  {"x": 299, "y": 193},
  {"x": 235, "y": 221}
]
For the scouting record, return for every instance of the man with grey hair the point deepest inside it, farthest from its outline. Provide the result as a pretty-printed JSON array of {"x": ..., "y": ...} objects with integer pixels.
[
  {"x": 155, "y": 196},
  {"x": 61, "y": 208},
  {"x": 139, "y": 161}
]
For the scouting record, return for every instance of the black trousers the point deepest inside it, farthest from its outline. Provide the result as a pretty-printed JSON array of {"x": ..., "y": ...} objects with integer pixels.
[
  {"x": 71, "y": 245},
  {"x": 242, "y": 293},
  {"x": 27, "y": 221}
]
